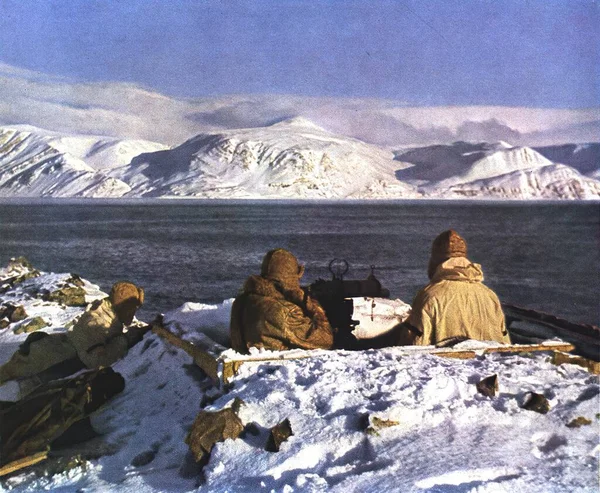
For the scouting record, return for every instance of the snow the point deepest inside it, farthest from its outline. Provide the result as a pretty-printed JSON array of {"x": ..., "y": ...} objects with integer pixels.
[
  {"x": 104, "y": 153},
  {"x": 375, "y": 420},
  {"x": 291, "y": 159},
  {"x": 546, "y": 182},
  {"x": 30, "y": 166}
]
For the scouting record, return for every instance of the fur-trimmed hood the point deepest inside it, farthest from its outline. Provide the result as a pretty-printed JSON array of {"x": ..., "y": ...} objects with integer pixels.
[
  {"x": 458, "y": 269},
  {"x": 263, "y": 287}
]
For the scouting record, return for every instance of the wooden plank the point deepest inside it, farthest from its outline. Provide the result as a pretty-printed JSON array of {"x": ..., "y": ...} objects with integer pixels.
[
  {"x": 202, "y": 358},
  {"x": 231, "y": 366},
  {"x": 222, "y": 369},
  {"x": 560, "y": 358},
  {"x": 24, "y": 462}
]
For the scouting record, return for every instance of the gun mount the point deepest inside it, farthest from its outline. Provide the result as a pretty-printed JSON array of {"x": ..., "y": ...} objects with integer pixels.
[{"x": 335, "y": 296}]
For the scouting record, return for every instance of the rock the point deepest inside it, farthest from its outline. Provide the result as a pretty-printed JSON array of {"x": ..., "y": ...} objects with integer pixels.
[
  {"x": 17, "y": 314},
  {"x": 19, "y": 263},
  {"x": 251, "y": 429},
  {"x": 536, "y": 402},
  {"x": 14, "y": 313},
  {"x": 279, "y": 434},
  {"x": 75, "y": 280},
  {"x": 4, "y": 323},
  {"x": 19, "y": 269},
  {"x": 32, "y": 325},
  {"x": 579, "y": 422},
  {"x": 211, "y": 427},
  {"x": 488, "y": 386},
  {"x": 68, "y": 296},
  {"x": 376, "y": 424}
]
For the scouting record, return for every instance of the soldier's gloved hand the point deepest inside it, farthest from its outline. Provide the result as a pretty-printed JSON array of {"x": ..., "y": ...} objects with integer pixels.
[{"x": 136, "y": 334}]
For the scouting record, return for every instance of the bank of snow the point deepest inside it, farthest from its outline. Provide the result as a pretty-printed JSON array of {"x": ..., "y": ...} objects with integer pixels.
[{"x": 444, "y": 436}]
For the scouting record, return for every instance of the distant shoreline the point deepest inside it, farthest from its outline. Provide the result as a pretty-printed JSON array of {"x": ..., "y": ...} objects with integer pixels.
[{"x": 291, "y": 201}]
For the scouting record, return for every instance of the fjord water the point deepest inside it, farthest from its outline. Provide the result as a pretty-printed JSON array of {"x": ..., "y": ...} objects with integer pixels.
[{"x": 537, "y": 255}]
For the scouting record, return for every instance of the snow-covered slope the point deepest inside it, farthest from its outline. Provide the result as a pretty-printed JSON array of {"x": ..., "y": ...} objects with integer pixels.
[
  {"x": 493, "y": 170},
  {"x": 104, "y": 153},
  {"x": 38, "y": 163},
  {"x": 293, "y": 159},
  {"x": 31, "y": 167},
  {"x": 555, "y": 181},
  {"x": 377, "y": 420},
  {"x": 290, "y": 159}
]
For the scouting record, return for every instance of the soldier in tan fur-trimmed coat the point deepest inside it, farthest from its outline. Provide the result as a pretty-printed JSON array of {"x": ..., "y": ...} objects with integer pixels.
[
  {"x": 274, "y": 312},
  {"x": 455, "y": 305},
  {"x": 96, "y": 340}
]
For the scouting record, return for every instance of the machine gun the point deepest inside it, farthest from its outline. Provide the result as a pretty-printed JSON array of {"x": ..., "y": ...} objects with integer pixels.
[{"x": 335, "y": 296}]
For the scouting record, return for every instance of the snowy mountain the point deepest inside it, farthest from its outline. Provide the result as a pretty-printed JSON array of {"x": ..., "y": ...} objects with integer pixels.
[
  {"x": 492, "y": 170},
  {"x": 545, "y": 182},
  {"x": 290, "y": 159},
  {"x": 38, "y": 164}
]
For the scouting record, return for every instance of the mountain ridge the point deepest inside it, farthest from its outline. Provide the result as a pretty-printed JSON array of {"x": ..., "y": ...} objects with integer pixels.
[{"x": 290, "y": 159}]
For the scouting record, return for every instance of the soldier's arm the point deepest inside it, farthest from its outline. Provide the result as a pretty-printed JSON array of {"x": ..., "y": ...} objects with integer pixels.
[
  {"x": 103, "y": 355},
  {"x": 407, "y": 334},
  {"x": 420, "y": 322},
  {"x": 307, "y": 332}
]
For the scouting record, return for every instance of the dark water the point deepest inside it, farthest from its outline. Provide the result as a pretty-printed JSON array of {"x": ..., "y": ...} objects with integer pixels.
[{"x": 539, "y": 255}]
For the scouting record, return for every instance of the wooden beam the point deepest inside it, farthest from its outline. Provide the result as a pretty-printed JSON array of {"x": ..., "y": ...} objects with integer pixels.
[
  {"x": 232, "y": 365},
  {"x": 202, "y": 358},
  {"x": 559, "y": 358},
  {"x": 24, "y": 462}
]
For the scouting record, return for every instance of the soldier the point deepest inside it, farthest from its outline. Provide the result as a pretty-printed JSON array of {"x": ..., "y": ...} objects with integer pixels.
[
  {"x": 455, "y": 305},
  {"x": 96, "y": 340},
  {"x": 274, "y": 312}
]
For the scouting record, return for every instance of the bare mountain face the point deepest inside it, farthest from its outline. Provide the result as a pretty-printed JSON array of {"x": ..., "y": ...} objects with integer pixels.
[
  {"x": 493, "y": 170},
  {"x": 293, "y": 159}
]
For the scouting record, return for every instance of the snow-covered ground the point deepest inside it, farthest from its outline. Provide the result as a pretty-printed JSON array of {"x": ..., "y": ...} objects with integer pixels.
[{"x": 377, "y": 420}]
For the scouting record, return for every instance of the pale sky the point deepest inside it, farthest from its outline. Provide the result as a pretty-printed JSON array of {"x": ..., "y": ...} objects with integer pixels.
[{"x": 539, "y": 53}]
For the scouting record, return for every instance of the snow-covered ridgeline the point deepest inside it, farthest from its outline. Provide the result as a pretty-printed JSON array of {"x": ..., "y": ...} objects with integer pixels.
[
  {"x": 376, "y": 420},
  {"x": 33, "y": 164},
  {"x": 291, "y": 159},
  {"x": 495, "y": 170}
]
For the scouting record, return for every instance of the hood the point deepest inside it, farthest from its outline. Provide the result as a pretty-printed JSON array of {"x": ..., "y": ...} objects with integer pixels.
[
  {"x": 458, "y": 269},
  {"x": 262, "y": 287}
]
